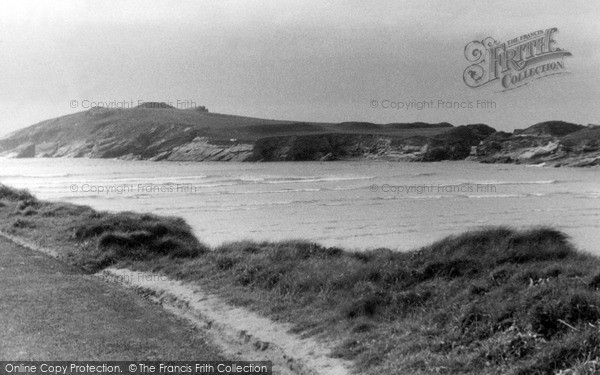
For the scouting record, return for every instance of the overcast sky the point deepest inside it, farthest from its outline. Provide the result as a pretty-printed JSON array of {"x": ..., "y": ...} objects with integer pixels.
[{"x": 295, "y": 60}]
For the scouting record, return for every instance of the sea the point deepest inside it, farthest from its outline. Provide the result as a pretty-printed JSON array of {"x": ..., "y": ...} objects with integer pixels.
[{"x": 357, "y": 205}]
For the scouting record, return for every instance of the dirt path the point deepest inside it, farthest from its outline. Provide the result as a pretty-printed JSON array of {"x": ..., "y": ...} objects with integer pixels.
[
  {"x": 50, "y": 311},
  {"x": 237, "y": 330}
]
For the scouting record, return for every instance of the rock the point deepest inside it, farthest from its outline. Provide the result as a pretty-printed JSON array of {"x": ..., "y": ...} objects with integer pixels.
[
  {"x": 457, "y": 143},
  {"x": 200, "y": 149},
  {"x": 544, "y": 143},
  {"x": 537, "y": 152},
  {"x": 328, "y": 157},
  {"x": 454, "y": 144},
  {"x": 26, "y": 151}
]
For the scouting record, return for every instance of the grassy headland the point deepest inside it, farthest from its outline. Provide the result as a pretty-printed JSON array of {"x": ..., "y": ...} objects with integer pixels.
[
  {"x": 157, "y": 131},
  {"x": 494, "y": 301}
]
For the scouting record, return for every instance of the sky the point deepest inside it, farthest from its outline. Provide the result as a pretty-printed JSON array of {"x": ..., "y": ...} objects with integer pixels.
[{"x": 322, "y": 61}]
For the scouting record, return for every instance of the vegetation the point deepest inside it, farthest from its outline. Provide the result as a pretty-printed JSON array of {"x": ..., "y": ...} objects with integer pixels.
[
  {"x": 95, "y": 240},
  {"x": 493, "y": 301}
]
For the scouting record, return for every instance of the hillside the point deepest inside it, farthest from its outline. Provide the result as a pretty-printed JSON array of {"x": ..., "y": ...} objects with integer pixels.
[
  {"x": 555, "y": 143},
  {"x": 552, "y": 128},
  {"x": 159, "y": 132}
]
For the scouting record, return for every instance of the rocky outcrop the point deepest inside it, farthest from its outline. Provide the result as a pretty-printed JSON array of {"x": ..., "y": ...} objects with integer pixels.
[
  {"x": 554, "y": 144},
  {"x": 201, "y": 149},
  {"x": 26, "y": 150},
  {"x": 321, "y": 147},
  {"x": 454, "y": 144},
  {"x": 197, "y": 149},
  {"x": 153, "y": 131}
]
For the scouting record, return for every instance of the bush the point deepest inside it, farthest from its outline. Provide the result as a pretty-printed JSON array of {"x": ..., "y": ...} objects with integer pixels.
[{"x": 144, "y": 245}]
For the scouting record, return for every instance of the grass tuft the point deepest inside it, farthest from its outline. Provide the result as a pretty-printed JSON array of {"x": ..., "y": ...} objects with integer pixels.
[{"x": 14, "y": 194}]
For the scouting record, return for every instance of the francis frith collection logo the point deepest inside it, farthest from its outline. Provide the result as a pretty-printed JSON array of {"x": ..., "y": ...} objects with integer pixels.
[{"x": 516, "y": 62}]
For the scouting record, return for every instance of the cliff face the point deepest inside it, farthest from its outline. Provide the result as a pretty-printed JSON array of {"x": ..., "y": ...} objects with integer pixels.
[
  {"x": 156, "y": 132},
  {"x": 160, "y": 132},
  {"x": 553, "y": 143},
  {"x": 325, "y": 147},
  {"x": 187, "y": 147},
  {"x": 201, "y": 149},
  {"x": 454, "y": 144}
]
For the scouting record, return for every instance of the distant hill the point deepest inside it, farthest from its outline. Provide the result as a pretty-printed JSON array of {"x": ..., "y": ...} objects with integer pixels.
[
  {"x": 590, "y": 134},
  {"x": 552, "y": 128},
  {"x": 158, "y": 131},
  {"x": 155, "y": 105},
  {"x": 359, "y": 126},
  {"x": 417, "y": 125},
  {"x": 369, "y": 126}
]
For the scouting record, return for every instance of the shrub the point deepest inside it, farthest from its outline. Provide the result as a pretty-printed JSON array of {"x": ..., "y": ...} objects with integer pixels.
[{"x": 144, "y": 244}]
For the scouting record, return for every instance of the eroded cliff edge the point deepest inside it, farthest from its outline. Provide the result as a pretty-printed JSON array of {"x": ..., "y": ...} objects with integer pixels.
[{"x": 552, "y": 143}]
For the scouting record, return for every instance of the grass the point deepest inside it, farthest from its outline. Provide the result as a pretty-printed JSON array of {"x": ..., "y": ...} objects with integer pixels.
[
  {"x": 51, "y": 311},
  {"x": 95, "y": 240},
  {"x": 492, "y": 301}
]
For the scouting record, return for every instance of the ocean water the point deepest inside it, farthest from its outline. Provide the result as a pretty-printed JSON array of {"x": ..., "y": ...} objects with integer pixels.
[{"x": 357, "y": 205}]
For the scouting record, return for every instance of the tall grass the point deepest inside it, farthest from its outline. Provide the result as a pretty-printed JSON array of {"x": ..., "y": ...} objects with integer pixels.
[
  {"x": 497, "y": 300},
  {"x": 12, "y": 194},
  {"x": 94, "y": 240}
]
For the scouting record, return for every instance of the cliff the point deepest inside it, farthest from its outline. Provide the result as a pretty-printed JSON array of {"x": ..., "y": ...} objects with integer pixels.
[
  {"x": 452, "y": 144},
  {"x": 552, "y": 143},
  {"x": 154, "y": 131}
]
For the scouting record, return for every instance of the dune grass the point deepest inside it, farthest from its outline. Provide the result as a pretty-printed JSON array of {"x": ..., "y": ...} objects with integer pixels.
[
  {"x": 492, "y": 301},
  {"x": 95, "y": 240}
]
